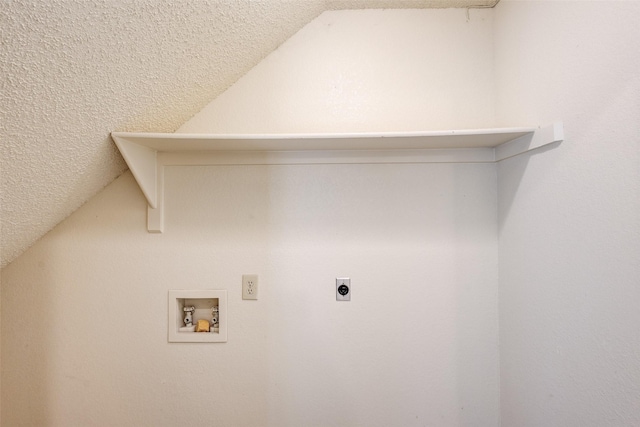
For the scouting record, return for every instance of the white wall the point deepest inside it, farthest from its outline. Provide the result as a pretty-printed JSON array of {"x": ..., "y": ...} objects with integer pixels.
[
  {"x": 366, "y": 71},
  {"x": 570, "y": 217},
  {"x": 84, "y": 311}
]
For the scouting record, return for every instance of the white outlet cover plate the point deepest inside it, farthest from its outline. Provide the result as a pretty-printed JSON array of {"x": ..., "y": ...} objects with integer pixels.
[
  {"x": 203, "y": 300},
  {"x": 341, "y": 282},
  {"x": 250, "y": 286}
]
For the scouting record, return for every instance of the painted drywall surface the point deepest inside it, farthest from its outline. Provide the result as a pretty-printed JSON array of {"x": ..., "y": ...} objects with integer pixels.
[
  {"x": 73, "y": 71},
  {"x": 570, "y": 217},
  {"x": 416, "y": 345},
  {"x": 0, "y": 355},
  {"x": 344, "y": 73}
]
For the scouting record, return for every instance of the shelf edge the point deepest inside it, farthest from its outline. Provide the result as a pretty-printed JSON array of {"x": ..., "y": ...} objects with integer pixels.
[{"x": 542, "y": 136}]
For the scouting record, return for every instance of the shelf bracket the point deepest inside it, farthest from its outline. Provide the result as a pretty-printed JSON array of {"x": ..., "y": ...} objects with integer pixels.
[
  {"x": 149, "y": 173},
  {"x": 143, "y": 163}
]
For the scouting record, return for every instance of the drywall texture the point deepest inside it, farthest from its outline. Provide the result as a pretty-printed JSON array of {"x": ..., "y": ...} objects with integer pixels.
[
  {"x": 73, "y": 71},
  {"x": 570, "y": 217},
  {"x": 417, "y": 345}
]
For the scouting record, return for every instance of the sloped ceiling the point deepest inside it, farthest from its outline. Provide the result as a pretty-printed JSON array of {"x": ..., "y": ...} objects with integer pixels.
[{"x": 72, "y": 71}]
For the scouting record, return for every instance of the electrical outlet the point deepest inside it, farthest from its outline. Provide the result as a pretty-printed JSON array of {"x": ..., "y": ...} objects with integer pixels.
[
  {"x": 249, "y": 286},
  {"x": 343, "y": 289}
]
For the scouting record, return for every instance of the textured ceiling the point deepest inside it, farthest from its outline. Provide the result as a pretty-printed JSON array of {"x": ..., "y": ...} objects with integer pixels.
[{"x": 72, "y": 71}]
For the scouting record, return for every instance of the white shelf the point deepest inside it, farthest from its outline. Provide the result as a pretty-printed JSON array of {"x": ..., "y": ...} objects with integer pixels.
[{"x": 146, "y": 154}]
